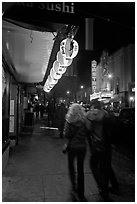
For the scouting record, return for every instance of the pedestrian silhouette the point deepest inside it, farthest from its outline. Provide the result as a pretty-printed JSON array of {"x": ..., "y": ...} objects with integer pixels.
[
  {"x": 61, "y": 112},
  {"x": 100, "y": 146},
  {"x": 76, "y": 132},
  {"x": 42, "y": 108},
  {"x": 37, "y": 109},
  {"x": 51, "y": 112}
]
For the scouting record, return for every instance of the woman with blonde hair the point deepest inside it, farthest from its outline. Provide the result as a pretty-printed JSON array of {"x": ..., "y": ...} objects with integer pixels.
[{"x": 76, "y": 133}]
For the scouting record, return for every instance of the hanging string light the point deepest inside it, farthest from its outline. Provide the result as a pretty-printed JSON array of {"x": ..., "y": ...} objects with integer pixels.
[
  {"x": 62, "y": 60},
  {"x": 58, "y": 68},
  {"x": 51, "y": 80},
  {"x": 68, "y": 50},
  {"x": 55, "y": 75}
]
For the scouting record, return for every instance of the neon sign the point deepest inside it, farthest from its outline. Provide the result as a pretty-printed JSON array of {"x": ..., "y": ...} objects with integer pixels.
[{"x": 93, "y": 70}]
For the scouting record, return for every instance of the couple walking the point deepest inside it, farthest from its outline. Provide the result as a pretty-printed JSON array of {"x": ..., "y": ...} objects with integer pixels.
[{"x": 93, "y": 127}]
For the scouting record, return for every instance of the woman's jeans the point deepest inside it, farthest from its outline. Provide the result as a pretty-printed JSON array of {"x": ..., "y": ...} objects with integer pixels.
[{"x": 77, "y": 175}]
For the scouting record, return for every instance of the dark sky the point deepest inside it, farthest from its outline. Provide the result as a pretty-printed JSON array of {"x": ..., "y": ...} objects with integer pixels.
[{"x": 114, "y": 27}]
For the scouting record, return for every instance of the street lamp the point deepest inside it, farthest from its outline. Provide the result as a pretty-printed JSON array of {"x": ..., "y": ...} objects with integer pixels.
[
  {"x": 109, "y": 76},
  {"x": 82, "y": 92},
  {"x": 68, "y": 97},
  {"x": 131, "y": 99}
]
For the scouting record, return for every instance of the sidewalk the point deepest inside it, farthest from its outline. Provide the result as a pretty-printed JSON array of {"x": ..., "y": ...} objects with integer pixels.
[{"x": 37, "y": 171}]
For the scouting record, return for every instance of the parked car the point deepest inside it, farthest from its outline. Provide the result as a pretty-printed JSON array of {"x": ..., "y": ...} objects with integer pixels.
[
  {"x": 126, "y": 126},
  {"x": 127, "y": 116},
  {"x": 123, "y": 127}
]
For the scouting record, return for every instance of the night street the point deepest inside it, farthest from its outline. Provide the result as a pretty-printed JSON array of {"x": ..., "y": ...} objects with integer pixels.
[
  {"x": 68, "y": 81},
  {"x": 37, "y": 170}
]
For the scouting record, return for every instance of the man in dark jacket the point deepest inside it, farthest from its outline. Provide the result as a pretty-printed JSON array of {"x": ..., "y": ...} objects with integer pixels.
[{"x": 100, "y": 146}]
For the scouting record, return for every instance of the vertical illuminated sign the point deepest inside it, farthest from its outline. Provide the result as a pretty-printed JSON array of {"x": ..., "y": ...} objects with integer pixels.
[{"x": 93, "y": 71}]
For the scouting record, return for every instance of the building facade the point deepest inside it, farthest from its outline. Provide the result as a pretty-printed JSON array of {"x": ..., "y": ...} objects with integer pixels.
[
  {"x": 123, "y": 74},
  {"x": 115, "y": 77}
]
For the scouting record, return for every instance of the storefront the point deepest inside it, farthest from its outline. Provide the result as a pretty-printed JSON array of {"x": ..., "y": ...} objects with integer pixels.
[
  {"x": 54, "y": 22},
  {"x": 10, "y": 128},
  {"x": 5, "y": 115}
]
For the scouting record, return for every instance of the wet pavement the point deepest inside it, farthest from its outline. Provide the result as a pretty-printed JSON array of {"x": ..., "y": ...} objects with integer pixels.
[{"x": 37, "y": 170}]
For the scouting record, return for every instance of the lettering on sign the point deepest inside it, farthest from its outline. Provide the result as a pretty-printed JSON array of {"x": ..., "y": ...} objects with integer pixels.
[
  {"x": 94, "y": 88},
  {"x": 93, "y": 83},
  {"x": 93, "y": 74},
  {"x": 93, "y": 71},
  {"x": 64, "y": 7}
]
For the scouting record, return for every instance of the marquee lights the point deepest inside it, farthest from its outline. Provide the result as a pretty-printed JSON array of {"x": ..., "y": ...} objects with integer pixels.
[{"x": 68, "y": 50}]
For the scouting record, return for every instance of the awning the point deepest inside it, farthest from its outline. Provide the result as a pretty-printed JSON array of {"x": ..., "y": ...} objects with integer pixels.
[
  {"x": 28, "y": 50},
  {"x": 31, "y": 36}
]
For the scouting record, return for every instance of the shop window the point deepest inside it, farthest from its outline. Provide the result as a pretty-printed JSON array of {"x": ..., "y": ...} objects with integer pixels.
[{"x": 5, "y": 116}]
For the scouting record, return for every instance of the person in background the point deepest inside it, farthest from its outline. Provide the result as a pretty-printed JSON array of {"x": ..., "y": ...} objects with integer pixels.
[
  {"x": 61, "y": 112},
  {"x": 37, "y": 109},
  {"x": 76, "y": 132},
  {"x": 42, "y": 108},
  {"x": 51, "y": 112},
  {"x": 100, "y": 146}
]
